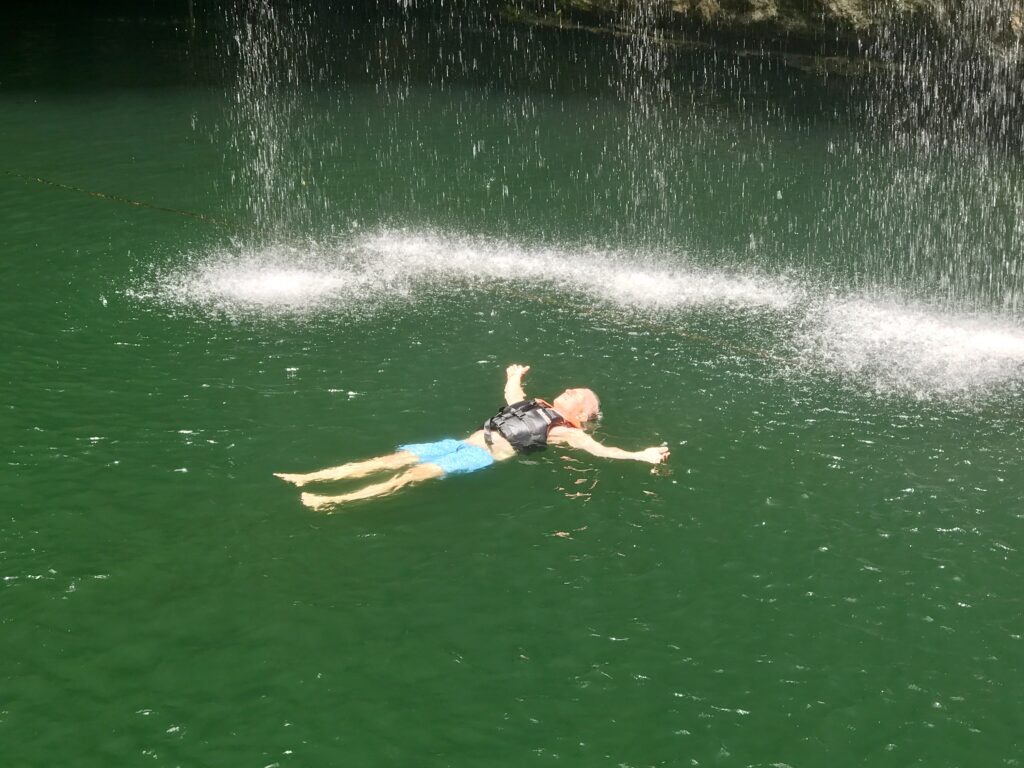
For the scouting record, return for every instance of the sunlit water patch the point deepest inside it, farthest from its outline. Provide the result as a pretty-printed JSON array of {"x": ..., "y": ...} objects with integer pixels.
[{"x": 890, "y": 346}]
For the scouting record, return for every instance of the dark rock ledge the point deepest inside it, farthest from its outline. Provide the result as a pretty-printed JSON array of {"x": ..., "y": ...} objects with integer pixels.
[{"x": 842, "y": 36}]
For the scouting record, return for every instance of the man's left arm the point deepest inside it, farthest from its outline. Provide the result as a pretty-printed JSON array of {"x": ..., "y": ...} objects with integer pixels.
[{"x": 577, "y": 438}]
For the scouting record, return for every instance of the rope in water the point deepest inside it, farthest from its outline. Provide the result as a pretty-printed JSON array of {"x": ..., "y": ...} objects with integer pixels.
[{"x": 115, "y": 198}]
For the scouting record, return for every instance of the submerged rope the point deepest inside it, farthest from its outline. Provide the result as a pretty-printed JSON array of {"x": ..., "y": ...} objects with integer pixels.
[{"x": 116, "y": 198}]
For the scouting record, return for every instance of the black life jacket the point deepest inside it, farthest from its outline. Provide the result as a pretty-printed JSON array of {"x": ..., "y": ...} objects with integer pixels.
[{"x": 524, "y": 424}]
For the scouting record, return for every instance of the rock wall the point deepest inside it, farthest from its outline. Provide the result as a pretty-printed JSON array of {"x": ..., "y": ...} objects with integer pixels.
[
  {"x": 825, "y": 26},
  {"x": 953, "y": 68}
]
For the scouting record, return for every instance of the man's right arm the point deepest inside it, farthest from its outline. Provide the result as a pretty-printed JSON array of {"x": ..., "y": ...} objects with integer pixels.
[{"x": 514, "y": 383}]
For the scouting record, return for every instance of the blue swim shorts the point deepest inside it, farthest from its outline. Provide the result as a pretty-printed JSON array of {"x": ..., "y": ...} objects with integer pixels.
[{"x": 450, "y": 455}]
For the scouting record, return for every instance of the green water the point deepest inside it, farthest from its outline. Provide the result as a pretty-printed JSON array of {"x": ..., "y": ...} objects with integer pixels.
[{"x": 827, "y": 571}]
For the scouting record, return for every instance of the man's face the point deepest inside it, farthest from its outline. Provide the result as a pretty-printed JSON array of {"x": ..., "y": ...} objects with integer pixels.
[{"x": 581, "y": 404}]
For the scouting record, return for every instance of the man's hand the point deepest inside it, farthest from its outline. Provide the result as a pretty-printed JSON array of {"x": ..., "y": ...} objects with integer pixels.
[
  {"x": 514, "y": 385},
  {"x": 516, "y": 371},
  {"x": 655, "y": 455}
]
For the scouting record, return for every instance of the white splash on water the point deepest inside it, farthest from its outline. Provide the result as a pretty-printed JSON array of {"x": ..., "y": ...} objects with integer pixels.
[
  {"x": 275, "y": 280},
  {"x": 889, "y": 346},
  {"x": 369, "y": 271},
  {"x": 613, "y": 276},
  {"x": 912, "y": 349}
]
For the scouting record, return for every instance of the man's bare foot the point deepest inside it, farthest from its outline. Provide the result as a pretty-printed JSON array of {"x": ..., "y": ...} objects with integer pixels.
[
  {"x": 297, "y": 479},
  {"x": 319, "y": 503}
]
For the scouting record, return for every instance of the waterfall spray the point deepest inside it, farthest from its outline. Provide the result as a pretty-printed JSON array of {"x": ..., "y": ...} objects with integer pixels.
[
  {"x": 948, "y": 116},
  {"x": 271, "y": 136},
  {"x": 648, "y": 148}
]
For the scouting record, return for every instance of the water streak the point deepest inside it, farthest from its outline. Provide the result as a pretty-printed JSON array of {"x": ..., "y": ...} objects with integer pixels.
[{"x": 272, "y": 55}]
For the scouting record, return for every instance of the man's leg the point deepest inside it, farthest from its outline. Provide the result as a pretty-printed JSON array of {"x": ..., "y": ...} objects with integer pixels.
[
  {"x": 353, "y": 469},
  {"x": 414, "y": 475}
]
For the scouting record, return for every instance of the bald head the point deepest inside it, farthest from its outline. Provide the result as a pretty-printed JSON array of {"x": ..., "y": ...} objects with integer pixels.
[{"x": 579, "y": 404}]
